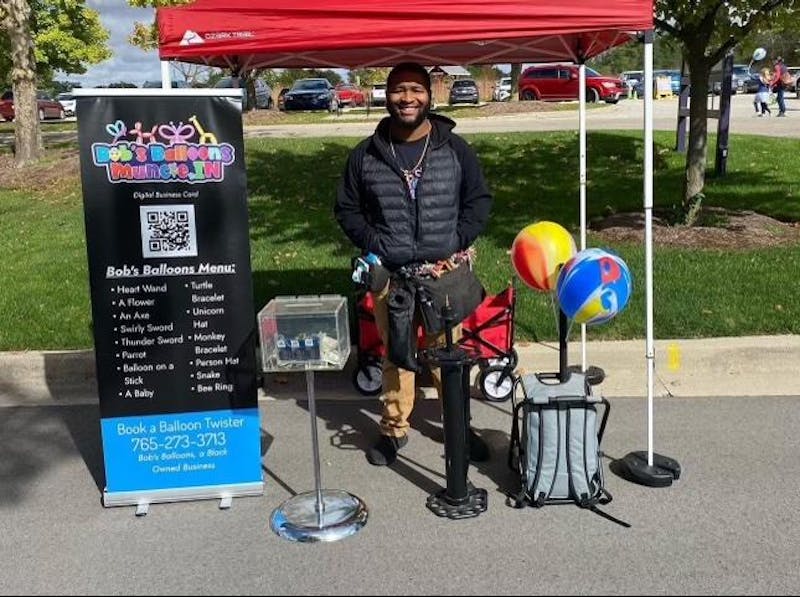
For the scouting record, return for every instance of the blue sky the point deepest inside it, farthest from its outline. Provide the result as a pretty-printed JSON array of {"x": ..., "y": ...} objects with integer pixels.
[{"x": 128, "y": 63}]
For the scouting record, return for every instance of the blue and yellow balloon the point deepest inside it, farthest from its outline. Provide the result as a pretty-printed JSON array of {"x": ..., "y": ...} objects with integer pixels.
[{"x": 594, "y": 286}]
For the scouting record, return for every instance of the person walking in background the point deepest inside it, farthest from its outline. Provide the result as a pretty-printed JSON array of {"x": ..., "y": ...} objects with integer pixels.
[
  {"x": 778, "y": 84},
  {"x": 761, "y": 101},
  {"x": 414, "y": 195}
]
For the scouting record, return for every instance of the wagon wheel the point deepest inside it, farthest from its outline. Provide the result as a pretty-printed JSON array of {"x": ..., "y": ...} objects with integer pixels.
[
  {"x": 496, "y": 383},
  {"x": 368, "y": 378}
]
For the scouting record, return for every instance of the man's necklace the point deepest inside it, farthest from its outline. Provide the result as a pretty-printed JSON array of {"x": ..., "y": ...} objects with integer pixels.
[{"x": 415, "y": 172}]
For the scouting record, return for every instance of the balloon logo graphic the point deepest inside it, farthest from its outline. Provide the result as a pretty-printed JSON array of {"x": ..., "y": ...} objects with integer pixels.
[
  {"x": 594, "y": 286},
  {"x": 539, "y": 251}
]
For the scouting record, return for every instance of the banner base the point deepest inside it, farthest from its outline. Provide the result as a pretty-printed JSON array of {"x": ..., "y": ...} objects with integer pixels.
[{"x": 155, "y": 496}]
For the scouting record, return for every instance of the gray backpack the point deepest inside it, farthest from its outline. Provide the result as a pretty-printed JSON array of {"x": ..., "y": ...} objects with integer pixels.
[{"x": 555, "y": 442}]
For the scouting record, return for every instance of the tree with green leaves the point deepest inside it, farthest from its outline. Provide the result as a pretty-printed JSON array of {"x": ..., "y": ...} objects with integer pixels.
[
  {"x": 707, "y": 31},
  {"x": 38, "y": 38}
]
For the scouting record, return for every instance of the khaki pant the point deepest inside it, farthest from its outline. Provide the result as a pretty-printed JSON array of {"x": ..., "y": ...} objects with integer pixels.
[{"x": 399, "y": 384}]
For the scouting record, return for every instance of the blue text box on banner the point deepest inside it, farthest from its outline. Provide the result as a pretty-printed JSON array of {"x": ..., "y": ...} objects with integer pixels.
[{"x": 182, "y": 450}]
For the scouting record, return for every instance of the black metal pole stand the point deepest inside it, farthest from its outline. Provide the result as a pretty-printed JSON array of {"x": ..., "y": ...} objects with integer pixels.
[
  {"x": 460, "y": 499},
  {"x": 594, "y": 374},
  {"x": 563, "y": 371}
]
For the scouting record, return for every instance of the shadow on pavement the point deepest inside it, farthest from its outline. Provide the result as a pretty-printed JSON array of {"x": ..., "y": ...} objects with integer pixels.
[{"x": 33, "y": 440}]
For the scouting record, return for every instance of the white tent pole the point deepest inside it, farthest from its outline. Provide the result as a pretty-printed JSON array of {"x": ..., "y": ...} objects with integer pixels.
[
  {"x": 166, "y": 75},
  {"x": 582, "y": 173},
  {"x": 648, "y": 231},
  {"x": 659, "y": 470}
]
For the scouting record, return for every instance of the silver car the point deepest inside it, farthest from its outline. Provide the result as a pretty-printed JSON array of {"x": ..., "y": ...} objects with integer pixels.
[
  {"x": 67, "y": 101},
  {"x": 263, "y": 91},
  {"x": 377, "y": 96}
]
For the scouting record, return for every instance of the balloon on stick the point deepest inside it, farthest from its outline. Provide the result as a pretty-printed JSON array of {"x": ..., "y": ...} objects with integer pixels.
[
  {"x": 539, "y": 251},
  {"x": 594, "y": 286}
]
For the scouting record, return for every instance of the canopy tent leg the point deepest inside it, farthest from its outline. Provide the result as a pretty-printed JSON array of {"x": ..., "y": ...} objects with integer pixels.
[
  {"x": 582, "y": 170},
  {"x": 166, "y": 75},
  {"x": 655, "y": 470}
]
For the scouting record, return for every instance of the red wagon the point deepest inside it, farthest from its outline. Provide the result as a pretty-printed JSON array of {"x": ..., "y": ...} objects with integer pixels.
[{"x": 487, "y": 336}]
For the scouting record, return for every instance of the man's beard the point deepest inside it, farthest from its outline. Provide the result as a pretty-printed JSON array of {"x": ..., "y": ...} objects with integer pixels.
[{"x": 397, "y": 120}]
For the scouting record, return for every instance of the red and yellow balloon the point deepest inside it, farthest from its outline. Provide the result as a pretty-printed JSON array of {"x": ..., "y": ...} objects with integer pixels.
[{"x": 539, "y": 251}]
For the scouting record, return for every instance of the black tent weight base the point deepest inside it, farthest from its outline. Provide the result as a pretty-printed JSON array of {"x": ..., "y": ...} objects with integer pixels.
[{"x": 634, "y": 467}]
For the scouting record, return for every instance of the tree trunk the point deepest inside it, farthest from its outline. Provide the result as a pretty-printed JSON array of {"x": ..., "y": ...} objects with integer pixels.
[
  {"x": 516, "y": 70},
  {"x": 27, "y": 133},
  {"x": 697, "y": 154}
]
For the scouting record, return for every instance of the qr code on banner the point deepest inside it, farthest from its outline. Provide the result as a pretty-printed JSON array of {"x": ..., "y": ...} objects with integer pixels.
[{"x": 168, "y": 231}]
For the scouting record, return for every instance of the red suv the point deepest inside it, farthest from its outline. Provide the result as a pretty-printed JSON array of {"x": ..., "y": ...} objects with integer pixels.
[
  {"x": 557, "y": 82},
  {"x": 350, "y": 95}
]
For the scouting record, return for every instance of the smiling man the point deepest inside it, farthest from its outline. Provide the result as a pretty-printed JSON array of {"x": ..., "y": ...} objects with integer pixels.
[{"x": 412, "y": 194}]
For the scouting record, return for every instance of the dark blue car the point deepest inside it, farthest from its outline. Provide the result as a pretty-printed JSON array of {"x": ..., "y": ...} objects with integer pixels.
[{"x": 310, "y": 94}]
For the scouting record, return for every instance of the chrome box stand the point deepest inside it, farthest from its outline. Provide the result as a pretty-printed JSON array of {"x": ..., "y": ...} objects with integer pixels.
[{"x": 322, "y": 514}]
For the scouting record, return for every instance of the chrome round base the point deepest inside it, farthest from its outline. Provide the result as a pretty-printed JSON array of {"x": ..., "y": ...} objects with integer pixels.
[{"x": 297, "y": 519}]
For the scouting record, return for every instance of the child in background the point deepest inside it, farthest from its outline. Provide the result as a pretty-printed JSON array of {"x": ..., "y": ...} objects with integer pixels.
[{"x": 762, "y": 96}]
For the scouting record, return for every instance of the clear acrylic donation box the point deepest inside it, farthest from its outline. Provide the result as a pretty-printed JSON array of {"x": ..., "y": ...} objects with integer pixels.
[{"x": 304, "y": 332}]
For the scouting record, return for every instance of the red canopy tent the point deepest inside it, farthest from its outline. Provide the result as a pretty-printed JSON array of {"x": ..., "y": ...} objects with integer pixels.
[
  {"x": 244, "y": 34},
  {"x": 247, "y": 34}
]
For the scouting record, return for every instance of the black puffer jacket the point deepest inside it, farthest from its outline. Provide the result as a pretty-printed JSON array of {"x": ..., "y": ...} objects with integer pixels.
[{"x": 376, "y": 211}]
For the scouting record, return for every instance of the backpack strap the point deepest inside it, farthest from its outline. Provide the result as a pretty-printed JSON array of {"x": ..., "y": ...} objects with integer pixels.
[
  {"x": 549, "y": 453},
  {"x": 519, "y": 499}
]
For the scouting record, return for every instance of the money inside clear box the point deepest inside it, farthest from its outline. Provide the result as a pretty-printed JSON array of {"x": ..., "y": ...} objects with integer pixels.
[{"x": 304, "y": 332}]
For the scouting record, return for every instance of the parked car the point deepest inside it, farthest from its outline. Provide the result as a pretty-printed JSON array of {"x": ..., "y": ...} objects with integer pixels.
[
  {"x": 502, "y": 90},
  {"x": 751, "y": 83},
  {"x": 558, "y": 82},
  {"x": 378, "y": 95},
  {"x": 741, "y": 74},
  {"x": 263, "y": 91},
  {"x": 793, "y": 86},
  {"x": 464, "y": 91},
  {"x": 282, "y": 98},
  {"x": 67, "y": 101},
  {"x": 46, "y": 106},
  {"x": 349, "y": 95},
  {"x": 311, "y": 94}
]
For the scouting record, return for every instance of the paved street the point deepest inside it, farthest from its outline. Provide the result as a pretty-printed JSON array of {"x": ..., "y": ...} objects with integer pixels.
[{"x": 728, "y": 526}]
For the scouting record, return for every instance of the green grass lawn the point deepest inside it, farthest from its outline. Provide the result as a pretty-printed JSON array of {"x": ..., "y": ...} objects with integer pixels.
[{"x": 297, "y": 246}]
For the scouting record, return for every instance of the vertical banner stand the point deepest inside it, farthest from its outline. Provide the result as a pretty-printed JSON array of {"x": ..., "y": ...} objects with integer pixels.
[
  {"x": 323, "y": 514},
  {"x": 459, "y": 499}
]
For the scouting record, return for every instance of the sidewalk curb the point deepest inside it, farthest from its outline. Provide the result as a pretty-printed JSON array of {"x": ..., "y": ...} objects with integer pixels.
[{"x": 723, "y": 367}]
